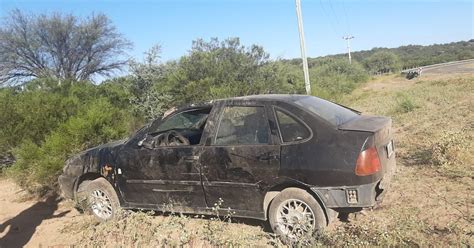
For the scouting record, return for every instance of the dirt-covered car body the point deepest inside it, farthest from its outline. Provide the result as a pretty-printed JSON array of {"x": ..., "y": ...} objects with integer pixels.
[{"x": 242, "y": 152}]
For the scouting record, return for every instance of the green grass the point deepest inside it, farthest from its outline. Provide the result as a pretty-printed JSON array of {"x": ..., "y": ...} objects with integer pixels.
[{"x": 405, "y": 103}]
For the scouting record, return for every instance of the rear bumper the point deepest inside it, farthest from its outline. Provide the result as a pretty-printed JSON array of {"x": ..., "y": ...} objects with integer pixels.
[
  {"x": 368, "y": 195},
  {"x": 358, "y": 196},
  {"x": 66, "y": 186}
]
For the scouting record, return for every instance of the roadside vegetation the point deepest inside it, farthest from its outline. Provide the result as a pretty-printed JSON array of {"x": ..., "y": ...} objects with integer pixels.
[
  {"x": 44, "y": 124},
  {"x": 46, "y": 117}
]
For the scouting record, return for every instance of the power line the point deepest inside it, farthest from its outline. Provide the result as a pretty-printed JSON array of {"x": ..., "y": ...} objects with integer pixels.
[
  {"x": 348, "y": 25},
  {"x": 330, "y": 20},
  {"x": 346, "y": 37},
  {"x": 334, "y": 13}
]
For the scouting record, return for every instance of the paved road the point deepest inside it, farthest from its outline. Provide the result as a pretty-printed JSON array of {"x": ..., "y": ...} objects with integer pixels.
[
  {"x": 462, "y": 66},
  {"x": 452, "y": 68}
]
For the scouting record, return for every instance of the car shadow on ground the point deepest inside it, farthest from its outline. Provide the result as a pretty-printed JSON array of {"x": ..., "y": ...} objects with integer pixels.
[{"x": 22, "y": 227}]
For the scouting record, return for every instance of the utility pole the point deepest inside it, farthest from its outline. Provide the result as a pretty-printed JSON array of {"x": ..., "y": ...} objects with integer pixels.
[
  {"x": 348, "y": 38},
  {"x": 302, "y": 47}
]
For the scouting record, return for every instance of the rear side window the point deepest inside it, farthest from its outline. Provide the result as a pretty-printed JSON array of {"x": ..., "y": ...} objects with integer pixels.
[
  {"x": 290, "y": 128},
  {"x": 243, "y": 125},
  {"x": 331, "y": 112}
]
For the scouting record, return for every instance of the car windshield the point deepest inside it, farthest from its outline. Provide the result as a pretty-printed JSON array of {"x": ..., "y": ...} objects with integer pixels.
[{"x": 331, "y": 112}]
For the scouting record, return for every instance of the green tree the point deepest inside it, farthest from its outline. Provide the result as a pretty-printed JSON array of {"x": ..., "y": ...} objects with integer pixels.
[
  {"x": 58, "y": 46},
  {"x": 212, "y": 69},
  {"x": 217, "y": 69},
  {"x": 333, "y": 78},
  {"x": 383, "y": 62},
  {"x": 149, "y": 94}
]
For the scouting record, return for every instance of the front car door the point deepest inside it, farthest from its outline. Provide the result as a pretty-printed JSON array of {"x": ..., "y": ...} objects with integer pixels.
[
  {"x": 240, "y": 158},
  {"x": 166, "y": 177}
]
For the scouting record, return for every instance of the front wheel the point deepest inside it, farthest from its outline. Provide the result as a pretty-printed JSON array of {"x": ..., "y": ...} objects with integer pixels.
[
  {"x": 99, "y": 198},
  {"x": 295, "y": 215}
]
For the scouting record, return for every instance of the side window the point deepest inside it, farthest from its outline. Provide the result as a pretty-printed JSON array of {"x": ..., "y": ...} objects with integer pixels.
[
  {"x": 290, "y": 128},
  {"x": 194, "y": 119},
  {"x": 243, "y": 125}
]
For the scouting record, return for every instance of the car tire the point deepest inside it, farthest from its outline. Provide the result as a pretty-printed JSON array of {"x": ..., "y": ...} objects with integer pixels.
[
  {"x": 98, "y": 197},
  {"x": 287, "y": 211}
]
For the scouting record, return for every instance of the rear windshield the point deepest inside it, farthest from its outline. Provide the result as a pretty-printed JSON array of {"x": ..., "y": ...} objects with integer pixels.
[{"x": 331, "y": 112}]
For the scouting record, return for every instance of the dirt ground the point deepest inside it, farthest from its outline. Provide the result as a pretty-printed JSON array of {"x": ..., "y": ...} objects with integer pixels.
[
  {"x": 31, "y": 222},
  {"x": 416, "y": 197}
]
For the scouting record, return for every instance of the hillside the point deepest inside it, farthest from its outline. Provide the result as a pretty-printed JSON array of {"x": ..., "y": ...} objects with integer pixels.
[{"x": 411, "y": 55}]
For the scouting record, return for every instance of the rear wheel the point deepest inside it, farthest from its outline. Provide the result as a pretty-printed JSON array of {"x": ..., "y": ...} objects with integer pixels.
[
  {"x": 295, "y": 215},
  {"x": 99, "y": 198}
]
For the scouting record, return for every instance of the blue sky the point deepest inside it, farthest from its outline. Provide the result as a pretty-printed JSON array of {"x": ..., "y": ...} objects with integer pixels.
[{"x": 273, "y": 24}]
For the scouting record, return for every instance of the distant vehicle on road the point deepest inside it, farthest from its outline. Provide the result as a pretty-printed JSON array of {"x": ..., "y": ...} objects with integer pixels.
[{"x": 294, "y": 160}]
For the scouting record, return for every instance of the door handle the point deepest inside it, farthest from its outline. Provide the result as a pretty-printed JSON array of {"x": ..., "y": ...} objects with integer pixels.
[
  {"x": 191, "y": 158},
  {"x": 267, "y": 157}
]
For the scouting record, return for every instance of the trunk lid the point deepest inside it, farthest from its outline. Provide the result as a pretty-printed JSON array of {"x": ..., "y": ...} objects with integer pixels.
[
  {"x": 366, "y": 123},
  {"x": 380, "y": 126}
]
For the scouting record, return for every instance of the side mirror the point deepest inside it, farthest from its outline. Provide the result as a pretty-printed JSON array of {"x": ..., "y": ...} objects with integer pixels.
[
  {"x": 146, "y": 142},
  {"x": 140, "y": 143}
]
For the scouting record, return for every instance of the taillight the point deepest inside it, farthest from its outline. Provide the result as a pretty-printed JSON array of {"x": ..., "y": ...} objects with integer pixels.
[{"x": 368, "y": 162}]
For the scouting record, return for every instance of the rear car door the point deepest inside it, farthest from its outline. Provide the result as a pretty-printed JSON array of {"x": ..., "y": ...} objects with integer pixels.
[{"x": 241, "y": 156}]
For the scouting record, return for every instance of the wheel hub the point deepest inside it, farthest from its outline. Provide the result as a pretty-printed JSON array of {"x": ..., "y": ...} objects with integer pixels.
[
  {"x": 101, "y": 204},
  {"x": 295, "y": 218}
]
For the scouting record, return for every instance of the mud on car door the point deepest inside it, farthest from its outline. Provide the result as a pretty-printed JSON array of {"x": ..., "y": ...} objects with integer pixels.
[
  {"x": 167, "y": 175},
  {"x": 240, "y": 158}
]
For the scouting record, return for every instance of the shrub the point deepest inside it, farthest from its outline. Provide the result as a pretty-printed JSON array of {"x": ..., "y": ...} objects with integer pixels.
[
  {"x": 404, "y": 104},
  {"x": 40, "y": 160},
  {"x": 382, "y": 62},
  {"x": 332, "y": 79},
  {"x": 212, "y": 69}
]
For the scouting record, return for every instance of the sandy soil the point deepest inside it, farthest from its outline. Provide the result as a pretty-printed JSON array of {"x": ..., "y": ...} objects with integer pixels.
[{"x": 33, "y": 222}]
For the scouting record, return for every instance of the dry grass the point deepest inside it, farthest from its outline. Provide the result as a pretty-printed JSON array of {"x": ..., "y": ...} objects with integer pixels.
[
  {"x": 430, "y": 201},
  {"x": 147, "y": 229},
  {"x": 429, "y": 204}
]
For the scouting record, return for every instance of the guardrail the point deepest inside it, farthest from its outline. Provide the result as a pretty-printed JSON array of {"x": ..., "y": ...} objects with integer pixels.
[{"x": 428, "y": 67}]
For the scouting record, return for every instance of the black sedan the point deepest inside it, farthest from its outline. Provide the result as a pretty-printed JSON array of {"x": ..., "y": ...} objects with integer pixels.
[{"x": 294, "y": 160}]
